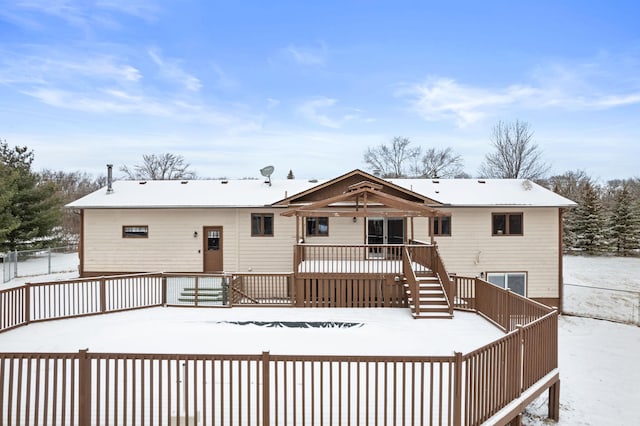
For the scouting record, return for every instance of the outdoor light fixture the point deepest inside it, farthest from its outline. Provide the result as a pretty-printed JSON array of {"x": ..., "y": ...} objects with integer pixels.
[
  {"x": 355, "y": 219},
  {"x": 195, "y": 234}
]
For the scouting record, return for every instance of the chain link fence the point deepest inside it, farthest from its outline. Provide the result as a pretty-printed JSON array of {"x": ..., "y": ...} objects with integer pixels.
[
  {"x": 26, "y": 263},
  {"x": 602, "y": 303}
]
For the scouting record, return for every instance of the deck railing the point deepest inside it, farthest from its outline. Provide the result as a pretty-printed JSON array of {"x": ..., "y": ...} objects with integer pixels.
[
  {"x": 86, "y": 388},
  {"x": 503, "y": 307},
  {"x": 348, "y": 258}
]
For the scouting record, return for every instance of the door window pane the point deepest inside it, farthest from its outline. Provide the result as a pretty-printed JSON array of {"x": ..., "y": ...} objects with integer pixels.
[
  {"x": 375, "y": 231},
  {"x": 395, "y": 231},
  {"x": 213, "y": 240}
]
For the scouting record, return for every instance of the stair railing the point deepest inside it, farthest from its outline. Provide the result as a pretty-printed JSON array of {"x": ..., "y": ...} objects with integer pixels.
[
  {"x": 412, "y": 281},
  {"x": 439, "y": 269}
]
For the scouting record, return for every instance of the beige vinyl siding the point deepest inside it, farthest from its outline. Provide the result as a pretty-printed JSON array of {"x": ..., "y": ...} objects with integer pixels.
[
  {"x": 342, "y": 230},
  {"x": 264, "y": 253},
  {"x": 172, "y": 247},
  {"x": 471, "y": 249}
]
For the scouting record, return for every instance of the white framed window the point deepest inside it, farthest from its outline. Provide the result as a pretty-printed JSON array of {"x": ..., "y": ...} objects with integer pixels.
[{"x": 514, "y": 281}]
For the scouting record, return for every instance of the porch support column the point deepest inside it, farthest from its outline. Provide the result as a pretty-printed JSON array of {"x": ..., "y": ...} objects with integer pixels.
[
  {"x": 431, "y": 227},
  {"x": 297, "y": 229},
  {"x": 413, "y": 237}
]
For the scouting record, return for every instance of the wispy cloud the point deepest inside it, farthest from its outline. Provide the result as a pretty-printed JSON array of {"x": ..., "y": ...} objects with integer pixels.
[
  {"x": 172, "y": 70},
  {"x": 307, "y": 55},
  {"x": 37, "y": 66},
  {"x": 439, "y": 98},
  {"x": 77, "y": 13},
  {"x": 223, "y": 80},
  {"x": 315, "y": 110}
]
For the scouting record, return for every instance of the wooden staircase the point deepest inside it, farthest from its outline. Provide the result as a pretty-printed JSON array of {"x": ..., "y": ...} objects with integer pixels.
[
  {"x": 206, "y": 295},
  {"x": 432, "y": 300}
]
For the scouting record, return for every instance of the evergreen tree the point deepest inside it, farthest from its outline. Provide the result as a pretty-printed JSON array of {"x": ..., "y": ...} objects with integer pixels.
[
  {"x": 623, "y": 223},
  {"x": 588, "y": 223},
  {"x": 290, "y": 175},
  {"x": 29, "y": 209}
]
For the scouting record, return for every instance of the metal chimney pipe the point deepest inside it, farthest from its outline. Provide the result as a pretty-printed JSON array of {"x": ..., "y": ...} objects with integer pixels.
[{"x": 109, "y": 178}]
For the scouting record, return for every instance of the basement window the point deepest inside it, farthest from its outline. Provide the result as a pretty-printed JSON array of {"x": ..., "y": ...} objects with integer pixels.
[
  {"x": 135, "y": 231},
  {"x": 514, "y": 281},
  {"x": 262, "y": 225},
  {"x": 318, "y": 226}
]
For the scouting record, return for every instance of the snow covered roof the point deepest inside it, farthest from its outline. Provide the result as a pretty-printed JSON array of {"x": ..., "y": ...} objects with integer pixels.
[
  {"x": 257, "y": 193},
  {"x": 485, "y": 192},
  {"x": 192, "y": 193}
]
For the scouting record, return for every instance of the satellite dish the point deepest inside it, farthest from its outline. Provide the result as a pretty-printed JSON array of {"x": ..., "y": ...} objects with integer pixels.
[{"x": 267, "y": 172}]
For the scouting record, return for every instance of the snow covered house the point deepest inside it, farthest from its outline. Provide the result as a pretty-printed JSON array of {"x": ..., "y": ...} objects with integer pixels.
[{"x": 355, "y": 230}]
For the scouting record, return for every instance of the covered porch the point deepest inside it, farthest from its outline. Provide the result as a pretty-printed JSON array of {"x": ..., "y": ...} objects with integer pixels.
[{"x": 405, "y": 272}]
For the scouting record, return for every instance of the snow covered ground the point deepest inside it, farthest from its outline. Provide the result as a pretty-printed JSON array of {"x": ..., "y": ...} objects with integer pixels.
[{"x": 600, "y": 375}]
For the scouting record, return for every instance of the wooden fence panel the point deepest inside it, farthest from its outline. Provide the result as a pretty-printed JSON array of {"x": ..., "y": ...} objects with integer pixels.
[
  {"x": 39, "y": 389},
  {"x": 132, "y": 292},
  {"x": 264, "y": 289},
  {"x": 13, "y": 308},
  {"x": 342, "y": 292},
  {"x": 308, "y": 390},
  {"x": 492, "y": 378},
  {"x": 539, "y": 348}
]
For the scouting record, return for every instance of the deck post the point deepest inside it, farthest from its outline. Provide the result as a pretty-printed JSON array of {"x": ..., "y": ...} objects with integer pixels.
[
  {"x": 27, "y": 303},
  {"x": 103, "y": 295},
  {"x": 457, "y": 389},
  {"x": 554, "y": 401},
  {"x": 299, "y": 293},
  {"x": 84, "y": 388},
  {"x": 164, "y": 290},
  {"x": 266, "y": 381}
]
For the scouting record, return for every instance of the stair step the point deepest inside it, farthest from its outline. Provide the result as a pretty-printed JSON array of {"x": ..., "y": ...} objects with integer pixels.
[
  {"x": 200, "y": 299},
  {"x": 435, "y": 315}
]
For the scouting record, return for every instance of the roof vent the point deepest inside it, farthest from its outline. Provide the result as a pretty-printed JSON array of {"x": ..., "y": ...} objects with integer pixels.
[
  {"x": 435, "y": 181},
  {"x": 224, "y": 182},
  {"x": 313, "y": 180},
  {"x": 482, "y": 181},
  {"x": 143, "y": 182},
  {"x": 184, "y": 182}
]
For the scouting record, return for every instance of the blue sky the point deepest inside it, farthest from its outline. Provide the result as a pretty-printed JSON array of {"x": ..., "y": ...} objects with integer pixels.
[{"x": 233, "y": 86}]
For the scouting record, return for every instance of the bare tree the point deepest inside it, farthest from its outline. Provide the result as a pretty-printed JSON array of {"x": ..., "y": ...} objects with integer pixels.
[
  {"x": 441, "y": 163},
  {"x": 515, "y": 155},
  {"x": 159, "y": 167},
  {"x": 391, "y": 161}
]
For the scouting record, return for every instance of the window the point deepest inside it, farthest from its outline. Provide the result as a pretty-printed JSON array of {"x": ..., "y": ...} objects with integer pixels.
[
  {"x": 514, "y": 281},
  {"x": 442, "y": 225},
  {"x": 135, "y": 232},
  {"x": 261, "y": 224},
  {"x": 318, "y": 226},
  {"x": 506, "y": 224}
]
